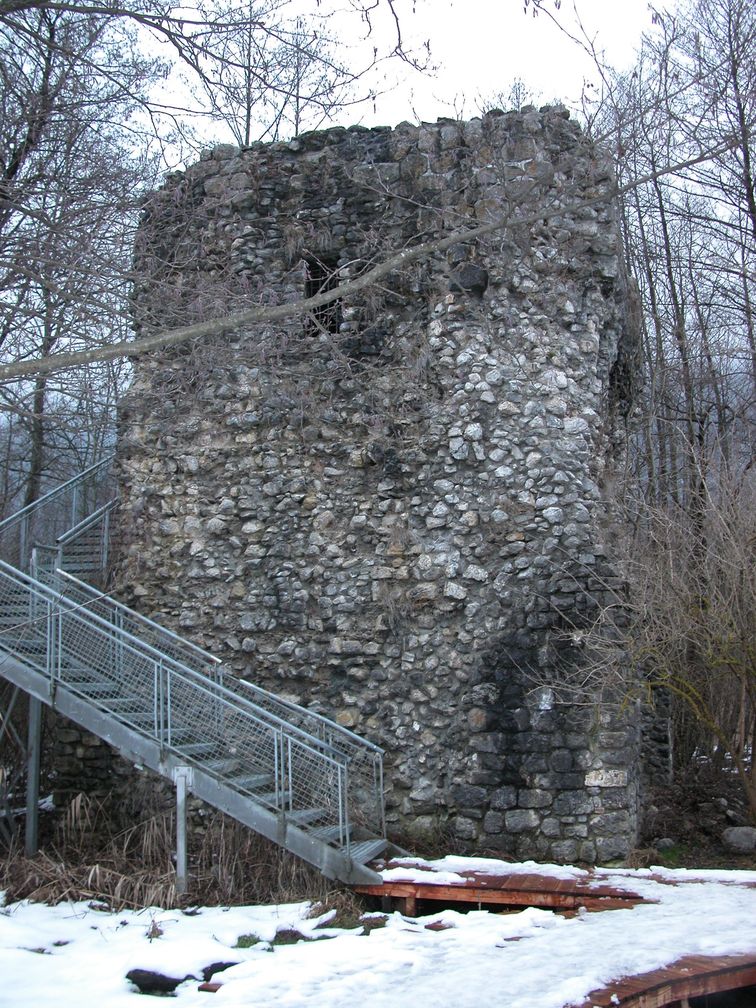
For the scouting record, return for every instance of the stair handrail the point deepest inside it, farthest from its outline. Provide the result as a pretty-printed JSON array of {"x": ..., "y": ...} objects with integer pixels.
[
  {"x": 96, "y": 597},
  {"x": 343, "y": 732},
  {"x": 86, "y": 522}
]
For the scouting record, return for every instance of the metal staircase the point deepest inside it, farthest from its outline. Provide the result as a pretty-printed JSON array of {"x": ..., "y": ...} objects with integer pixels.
[{"x": 288, "y": 773}]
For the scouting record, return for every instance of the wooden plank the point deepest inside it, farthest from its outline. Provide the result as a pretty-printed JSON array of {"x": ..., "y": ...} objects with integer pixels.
[
  {"x": 692, "y": 976},
  {"x": 590, "y": 886}
]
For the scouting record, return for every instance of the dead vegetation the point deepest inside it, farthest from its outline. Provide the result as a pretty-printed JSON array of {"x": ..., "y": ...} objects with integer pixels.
[{"x": 87, "y": 858}]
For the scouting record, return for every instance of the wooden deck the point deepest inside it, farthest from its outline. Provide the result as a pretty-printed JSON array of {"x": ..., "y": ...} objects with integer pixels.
[
  {"x": 693, "y": 976},
  {"x": 670, "y": 987},
  {"x": 505, "y": 890}
]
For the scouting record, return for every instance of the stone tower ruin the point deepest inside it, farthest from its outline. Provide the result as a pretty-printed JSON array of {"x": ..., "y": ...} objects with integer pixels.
[{"x": 394, "y": 509}]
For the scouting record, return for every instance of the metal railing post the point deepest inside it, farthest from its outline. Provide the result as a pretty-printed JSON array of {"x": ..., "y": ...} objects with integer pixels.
[
  {"x": 343, "y": 803},
  {"x": 23, "y": 538},
  {"x": 288, "y": 794},
  {"x": 284, "y": 771},
  {"x": 104, "y": 545},
  {"x": 183, "y": 779},
  {"x": 159, "y": 702},
  {"x": 58, "y": 642},
  {"x": 380, "y": 804},
  {"x": 34, "y": 745},
  {"x": 166, "y": 737},
  {"x": 49, "y": 640}
]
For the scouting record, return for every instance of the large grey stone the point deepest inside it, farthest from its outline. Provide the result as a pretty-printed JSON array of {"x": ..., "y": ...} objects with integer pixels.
[{"x": 740, "y": 839}]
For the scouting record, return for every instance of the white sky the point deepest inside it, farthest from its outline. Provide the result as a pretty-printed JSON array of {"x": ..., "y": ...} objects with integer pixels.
[
  {"x": 478, "y": 49},
  {"x": 481, "y": 46}
]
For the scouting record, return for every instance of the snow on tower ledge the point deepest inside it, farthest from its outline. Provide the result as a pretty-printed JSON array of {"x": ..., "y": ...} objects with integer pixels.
[{"x": 394, "y": 511}]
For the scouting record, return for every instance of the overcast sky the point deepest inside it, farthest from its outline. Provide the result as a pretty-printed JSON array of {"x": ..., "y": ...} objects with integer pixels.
[
  {"x": 481, "y": 46},
  {"x": 478, "y": 49}
]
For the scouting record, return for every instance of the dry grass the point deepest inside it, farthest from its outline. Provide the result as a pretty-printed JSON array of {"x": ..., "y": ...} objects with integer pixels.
[
  {"x": 87, "y": 859},
  {"x": 234, "y": 865},
  {"x": 45, "y": 879},
  {"x": 348, "y": 909}
]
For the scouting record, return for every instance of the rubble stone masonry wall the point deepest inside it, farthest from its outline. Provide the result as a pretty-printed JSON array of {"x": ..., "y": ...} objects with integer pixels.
[{"x": 395, "y": 511}]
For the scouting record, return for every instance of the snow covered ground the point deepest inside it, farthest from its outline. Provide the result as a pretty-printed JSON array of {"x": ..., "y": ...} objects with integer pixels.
[{"x": 75, "y": 956}]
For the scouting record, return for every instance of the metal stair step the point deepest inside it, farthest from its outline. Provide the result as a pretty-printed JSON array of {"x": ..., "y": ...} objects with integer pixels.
[
  {"x": 140, "y": 719},
  {"x": 274, "y": 798},
  {"x": 101, "y": 689},
  {"x": 222, "y": 767},
  {"x": 196, "y": 749},
  {"x": 125, "y": 705},
  {"x": 27, "y": 645},
  {"x": 303, "y": 817},
  {"x": 366, "y": 850},
  {"x": 252, "y": 781},
  {"x": 328, "y": 834}
]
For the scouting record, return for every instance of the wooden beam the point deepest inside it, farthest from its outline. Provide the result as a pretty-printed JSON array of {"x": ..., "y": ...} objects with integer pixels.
[{"x": 503, "y": 896}]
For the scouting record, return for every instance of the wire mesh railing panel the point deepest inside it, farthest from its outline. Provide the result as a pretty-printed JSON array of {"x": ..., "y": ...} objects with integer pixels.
[
  {"x": 115, "y": 679},
  {"x": 315, "y": 784},
  {"x": 316, "y": 725},
  {"x": 365, "y": 793},
  {"x": 50, "y": 516},
  {"x": 246, "y": 751},
  {"x": 130, "y": 622},
  {"x": 24, "y": 623}
]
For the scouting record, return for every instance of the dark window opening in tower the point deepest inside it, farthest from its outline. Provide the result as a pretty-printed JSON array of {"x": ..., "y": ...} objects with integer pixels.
[{"x": 322, "y": 274}]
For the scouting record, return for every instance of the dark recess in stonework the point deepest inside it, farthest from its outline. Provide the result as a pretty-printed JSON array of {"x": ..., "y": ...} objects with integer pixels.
[{"x": 323, "y": 275}]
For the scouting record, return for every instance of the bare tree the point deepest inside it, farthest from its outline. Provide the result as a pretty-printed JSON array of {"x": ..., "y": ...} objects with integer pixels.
[
  {"x": 81, "y": 138},
  {"x": 690, "y": 242},
  {"x": 262, "y": 85},
  {"x": 687, "y": 627},
  {"x": 68, "y": 198},
  {"x": 684, "y": 622}
]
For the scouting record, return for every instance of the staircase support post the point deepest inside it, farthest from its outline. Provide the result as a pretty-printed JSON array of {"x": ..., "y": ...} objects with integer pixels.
[
  {"x": 34, "y": 745},
  {"x": 182, "y": 777}
]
